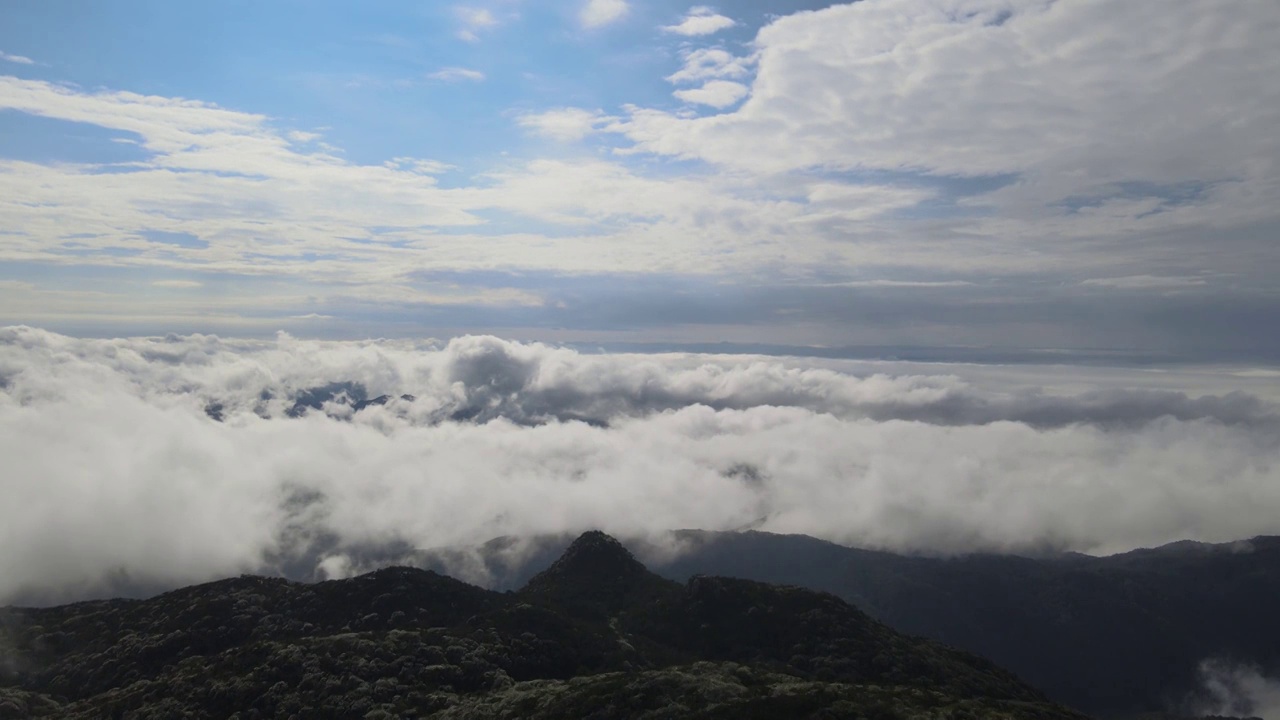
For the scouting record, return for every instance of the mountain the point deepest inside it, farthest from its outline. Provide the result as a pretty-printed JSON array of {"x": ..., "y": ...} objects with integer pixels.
[
  {"x": 1115, "y": 636},
  {"x": 594, "y": 635}
]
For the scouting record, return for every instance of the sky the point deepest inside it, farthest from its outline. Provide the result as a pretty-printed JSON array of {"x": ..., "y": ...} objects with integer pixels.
[
  {"x": 291, "y": 287},
  {"x": 933, "y": 276},
  {"x": 1076, "y": 177}
]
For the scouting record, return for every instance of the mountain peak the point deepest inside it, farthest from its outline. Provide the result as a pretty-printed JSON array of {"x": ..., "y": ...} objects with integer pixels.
[
  {"x": 596, "y": 556},
  {"x": 597, "y": 571}
]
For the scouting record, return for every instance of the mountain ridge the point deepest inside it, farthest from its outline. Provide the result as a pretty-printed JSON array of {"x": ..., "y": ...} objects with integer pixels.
[
  {"x": 408, "y": 642},
  {"x": 1119, "y": 635}
]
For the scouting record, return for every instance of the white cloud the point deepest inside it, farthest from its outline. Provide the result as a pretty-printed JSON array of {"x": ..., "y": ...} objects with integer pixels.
[
  {"x": 708, "y": 63},
  {"x": 716, "y": 93},
  {"x": 264, "y": 200},
  {"x": 454, "y": 74},
  {"x": 598, "y": 13},
  {"x": 128, "y": 463},
  {"x": 419, "y": 165},
  {"x": 1113, "y": 162},
  {"x": 1237, "y": 690},
  {"x": 667, "y": 223},
  {"x": 1146, "y": 282},
  {"x": 906, "y": 283},
  {"x": 476, "y": 17},
  {"x": 472, "y": 21},
  {"x": 1108, "y": 154},
  {"x": 222, "y": 175},
  {"x": 564, "y": 124},
  {"x": 976, "y": 86},
  {"x": 19, "y": 59},
  {"x": 700, "y": 20},
  {"x": 300, "y": 136},
  {"x": 225, "y": 156},
  {"x": 179, "y": 284}
]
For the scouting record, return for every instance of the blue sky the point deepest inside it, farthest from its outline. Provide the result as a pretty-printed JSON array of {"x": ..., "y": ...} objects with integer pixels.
[
  {"x": 363, "y": 72},
  {"x": 1011, "y": 174}
]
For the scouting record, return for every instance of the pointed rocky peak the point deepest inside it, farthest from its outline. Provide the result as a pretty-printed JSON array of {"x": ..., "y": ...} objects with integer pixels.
[
  {"x": 593, "y": 557},
  {"x": 596, "y": 569}
]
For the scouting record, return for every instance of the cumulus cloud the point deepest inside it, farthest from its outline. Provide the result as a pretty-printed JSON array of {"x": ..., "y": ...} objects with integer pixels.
[
  {"x": 716, "y": 93},
  {"x": 897, "y": 71},
  {"x": 700, "y": 20},
  {"x": 598, "y": 13},
  {"x": 974, "y": 88},
  {"x": 172, "y": 460},
  {"x": 708, "y": 63},
  {"x": 565, "y": 124},
  {"x": 970, "y": 90}
]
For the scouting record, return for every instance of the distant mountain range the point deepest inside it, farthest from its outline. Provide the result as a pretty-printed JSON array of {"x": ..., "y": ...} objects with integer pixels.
[
  {"x": 1117, "y": 636},
  {"x": 572, "y": 623},
  {"x": 593, "y": 635}
]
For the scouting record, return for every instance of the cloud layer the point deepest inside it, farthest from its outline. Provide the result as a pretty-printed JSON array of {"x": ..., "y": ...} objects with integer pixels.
[{"x": 173, "y": 460}]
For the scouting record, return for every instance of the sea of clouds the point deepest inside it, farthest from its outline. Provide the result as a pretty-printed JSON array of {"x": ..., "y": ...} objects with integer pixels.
[{"x": 157, "y": 462}]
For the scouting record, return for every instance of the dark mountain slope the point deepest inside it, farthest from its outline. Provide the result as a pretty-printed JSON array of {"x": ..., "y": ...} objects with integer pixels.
[
  {"x": 595, "y": 635},
  {"x": 597, "y": 576},
  {"x": 785, "y": 628},
  {"x": 1117, "y": 635},
  {"x": 1114, "y": 635}
]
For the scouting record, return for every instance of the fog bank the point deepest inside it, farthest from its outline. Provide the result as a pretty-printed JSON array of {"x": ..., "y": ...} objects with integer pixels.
[{"x": 173, "y": 460}]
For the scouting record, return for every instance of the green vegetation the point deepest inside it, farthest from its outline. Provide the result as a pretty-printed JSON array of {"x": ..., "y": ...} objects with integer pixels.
[
  {"x": 596, "y": 635},
  {"x": 1116, "y": 636}
]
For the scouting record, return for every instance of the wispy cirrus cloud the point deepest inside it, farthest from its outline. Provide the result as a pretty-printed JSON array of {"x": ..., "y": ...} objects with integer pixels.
[
  {"x": 18, "y": 59},
  {"x": 1146, "y": 282},
  {"x": 457, "y": 74},
  {"x": 598, "y": 13},
  {"x": 472, "y": 21},
  {"x": 209, "y": 172}
]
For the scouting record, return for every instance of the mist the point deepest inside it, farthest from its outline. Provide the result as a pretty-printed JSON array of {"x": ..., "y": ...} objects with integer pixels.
[
  {"x": 166, "y": 461},
  {"x": 1236, "y": 689}
]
